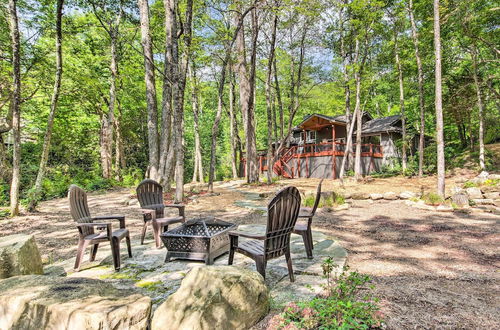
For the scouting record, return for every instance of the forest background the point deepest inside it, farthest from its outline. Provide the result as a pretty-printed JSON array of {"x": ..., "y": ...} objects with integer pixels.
[{"x": 102, "y": 93}]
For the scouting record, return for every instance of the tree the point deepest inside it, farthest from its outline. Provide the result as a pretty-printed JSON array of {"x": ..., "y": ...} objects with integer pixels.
[
  {"x": 149, "y": 76},
  {"x": 401, "y": 96},
  {"x": 420, "y": 89},
  {"x": 37, "y": 189},
  {"x": 439, "y": 104}
]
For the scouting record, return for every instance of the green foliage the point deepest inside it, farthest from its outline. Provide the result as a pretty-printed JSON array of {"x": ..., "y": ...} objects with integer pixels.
[
  {"x": 432, "y": 199},
  {"x": 348, "y": 304},
  {"x": 470, "y": 184},
  {"x": 333, "y": 199}
]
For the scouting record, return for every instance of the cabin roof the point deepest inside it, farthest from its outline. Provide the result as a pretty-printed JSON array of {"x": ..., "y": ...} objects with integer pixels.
[
  {"x": 384, "y": 124},
  {"x": 317, "y": 120}
]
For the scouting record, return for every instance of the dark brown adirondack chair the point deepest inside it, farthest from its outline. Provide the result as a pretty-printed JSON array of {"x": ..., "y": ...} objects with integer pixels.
[
  {"x": 150, "y": 196},
  {"x": 282, "y": 214},
  {"x": 304, "y": 228},
  {"x": 87, "y": 229}
]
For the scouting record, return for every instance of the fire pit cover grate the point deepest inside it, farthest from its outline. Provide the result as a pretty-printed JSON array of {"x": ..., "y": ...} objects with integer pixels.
[{"x": 198, "y": 239}]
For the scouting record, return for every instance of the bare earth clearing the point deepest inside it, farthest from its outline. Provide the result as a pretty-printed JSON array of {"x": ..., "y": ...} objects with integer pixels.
[{"x": 431, "y": 269}]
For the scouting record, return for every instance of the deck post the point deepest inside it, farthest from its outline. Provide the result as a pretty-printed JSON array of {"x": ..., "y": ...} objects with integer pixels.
[
  {"x": 371, "y": 158},
  {"x": 334, "y": 158}
]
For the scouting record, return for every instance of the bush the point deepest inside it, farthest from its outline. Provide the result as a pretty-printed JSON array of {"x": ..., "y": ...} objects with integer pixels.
[
  {"x": 432, "y": 199},
  {"x": 348, "y": 304},
  {"x": 330, "y": 201}
]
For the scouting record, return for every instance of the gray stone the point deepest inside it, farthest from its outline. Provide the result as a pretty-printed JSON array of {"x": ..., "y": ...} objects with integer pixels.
[
  {"x": 444, "y": 208},
  {"x": 19, "y": 255},
  {"x": 347, "y": 195},
  {"x": 407, "y": 195},
  {"x": 390, "y": 196},
  {"x": 456, "y": 190},
  {"x": 375, "y": 196},
  {"x": 360, "y": 195},
  {"x": 341, "y": 207},
  {"x": 48, "y": 302},
  {"x": 494, "y": 177},
  {"x": 483, "y": 201},
  {"x": 474, "y": 193},
  {"x": 460, "y": 199},
  {"x": 215, "y": 297},
  {"x": 492, "y": 195}
]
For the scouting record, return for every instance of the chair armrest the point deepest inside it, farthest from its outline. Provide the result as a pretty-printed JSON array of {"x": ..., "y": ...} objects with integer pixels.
[
  {"x": 95, "y": 224},
  {"x": 149, "y": 214},
  {"x": 179, "y": 207},
  {"x": 246, "y": 235},
  {"x": 120, "y": 218}
]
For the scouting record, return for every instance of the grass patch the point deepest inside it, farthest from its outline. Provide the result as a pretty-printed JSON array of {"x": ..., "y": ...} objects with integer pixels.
[
  {"x": 432, "y": 199},
  {"x": 150, "y": 285},
  {"x": 333, "y": 199}
]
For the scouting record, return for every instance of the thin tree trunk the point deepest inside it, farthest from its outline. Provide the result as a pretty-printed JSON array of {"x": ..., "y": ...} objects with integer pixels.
[
  {"x": 16, "y": 109},
  {"x": 401, "y": 98},
  {"x": 345, "y": 69},
  {"x": 232, "y": 126},
  {"x": 215, "y": 129},
  {"x": 37, "y": 189},
  {"x": 247, "y": 79},
  {"x": 198, "y": 172},
  {"x": 420, "y": 90},
  {"x": 439, "y": 105},
  {"x": 151, "y": 101},
  {"x": 269, "y": 106},
  {"x": 357, "y": 77},
  {"x": 119, "y": 156},
  {"x": 279, "y": 100},
  {"x": 480, "y": 107}
]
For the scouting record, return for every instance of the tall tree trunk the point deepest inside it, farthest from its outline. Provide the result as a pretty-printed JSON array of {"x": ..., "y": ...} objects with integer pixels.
[
  {"x": 357, "y": 77},
  {"x": 119, "y": 155},
  {"x": 247, "y": 79},
  {"x": 279, "y": 100},
  {"x": 439, "y": 105},
  {"x": 345, "y": 71},
  {"x": 215, "y": 128},
  {"x": 480, "y": 107},
  {"x": 16, "y": 109},
  {"x": 37, "y": 189},
  {"x": 151, "y": 101},
  {"x": 269, "y": 106},
  {"x": 233, "y": 125},
  {"x": 198, "y": 172},
  {"x": 401, "y": 98},
  {"x": 420, "y": 90}
]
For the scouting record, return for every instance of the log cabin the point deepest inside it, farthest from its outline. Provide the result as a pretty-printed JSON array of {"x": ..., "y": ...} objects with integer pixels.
[{"x": 318, "y": 144}]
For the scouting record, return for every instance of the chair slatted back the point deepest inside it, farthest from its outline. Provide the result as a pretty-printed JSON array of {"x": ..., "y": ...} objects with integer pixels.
[
  {"x": 318, "y": 197},
  {"x": 150, "y": 192},
  {"x": 79, "y": 208},
  {"x": 282, "y": 211}
]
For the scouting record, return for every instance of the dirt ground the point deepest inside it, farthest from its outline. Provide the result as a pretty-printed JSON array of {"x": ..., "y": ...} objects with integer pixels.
[{"x": 431, "y": 270}]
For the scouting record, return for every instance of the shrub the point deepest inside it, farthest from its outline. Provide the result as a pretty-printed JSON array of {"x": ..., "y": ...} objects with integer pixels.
[
  {"x": 348, "y": 304},
  {"x": 432, "y": 199},
  {"x": 470, "y": 184}
]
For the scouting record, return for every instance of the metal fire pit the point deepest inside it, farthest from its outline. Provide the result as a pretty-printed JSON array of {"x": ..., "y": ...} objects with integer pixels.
[{"x": 198, "y": 239}]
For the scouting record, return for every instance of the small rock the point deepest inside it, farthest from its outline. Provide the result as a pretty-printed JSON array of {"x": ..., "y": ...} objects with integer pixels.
[
  {"x": 341, "y": 207},
  {"x": 360, "y": 195},
  {"x": 132, "y": 202},
  {"x": 390, "y": 196},
  {"x": 460, "y": 199},
  {"x": 483, "y": 175},
  {"x": 474, "y": 193},
  {"x": 494, "y": 177},
  {"x": 264, "y": 194},
  {"x": 347, "y": 195},
  {"x": 215, "y": 297},
  {"x": 421, "y": 205},
  {"x": 483, "y": 201},
  {"x": 19, "y": 255},
  {"x": 492, "y": 195},
  {"x": 444, "y": 208},
  {"x": 456, "y": 190},
  {"x": 375, "y": 196},
  {"x": 461, "y": 180},
  {"x": 407, "y": 195}
]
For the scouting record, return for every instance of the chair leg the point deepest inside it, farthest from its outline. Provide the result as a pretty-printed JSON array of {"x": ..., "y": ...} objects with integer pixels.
[
  {"x": 129, "y": 247},
  {"x": 115, "y": 249},
  {"x": 289, "y": 264},
  {"x": 309, "y": 231},
  {"x": 82, "y": 245},
  {"x": 261, "y": 264},
  {"x": 143, "y": 234},
  {"x": 156, "y": 233},
  {"x": 307, "y": 244},
  {"x": 93, "y": 251},
  {"x": 231, "y": 256}
]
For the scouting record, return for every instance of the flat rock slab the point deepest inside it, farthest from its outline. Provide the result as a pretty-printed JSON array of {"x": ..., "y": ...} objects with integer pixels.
[
  {"x": 19, "y": 255},
  {"x": 48, "y": 302},
  {"x": 148, "y": 274}
]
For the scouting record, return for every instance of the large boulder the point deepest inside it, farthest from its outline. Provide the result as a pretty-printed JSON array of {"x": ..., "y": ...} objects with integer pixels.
[
  {"x": 390, "y": 196},
  {"x": 215, "y": 297},
  {"x": 49, "y": 302},
  {"x": 375, "y": 196},
  {"x": 407, "y": 195},
  {"x": 19, "y": 255}
]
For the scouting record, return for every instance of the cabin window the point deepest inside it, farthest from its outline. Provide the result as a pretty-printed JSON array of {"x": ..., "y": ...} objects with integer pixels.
[
  {"x": 373, "y": 139},
  {"x": 311, "y": 136}
]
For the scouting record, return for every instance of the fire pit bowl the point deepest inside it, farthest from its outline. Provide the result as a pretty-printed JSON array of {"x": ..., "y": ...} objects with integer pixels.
[{"x": 198, "y": 239}]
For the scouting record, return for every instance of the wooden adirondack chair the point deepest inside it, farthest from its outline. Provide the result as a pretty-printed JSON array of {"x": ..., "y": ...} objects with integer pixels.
[
  {"x": 150, "y": 196},
  {"x": 87, "y": 229},
  {"x": 304, "y": 228},
  {"x": 282, "y": 211}
]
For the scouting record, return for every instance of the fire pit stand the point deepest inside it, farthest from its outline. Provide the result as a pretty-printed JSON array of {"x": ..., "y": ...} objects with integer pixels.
[{"x": 198, "y": 239}]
